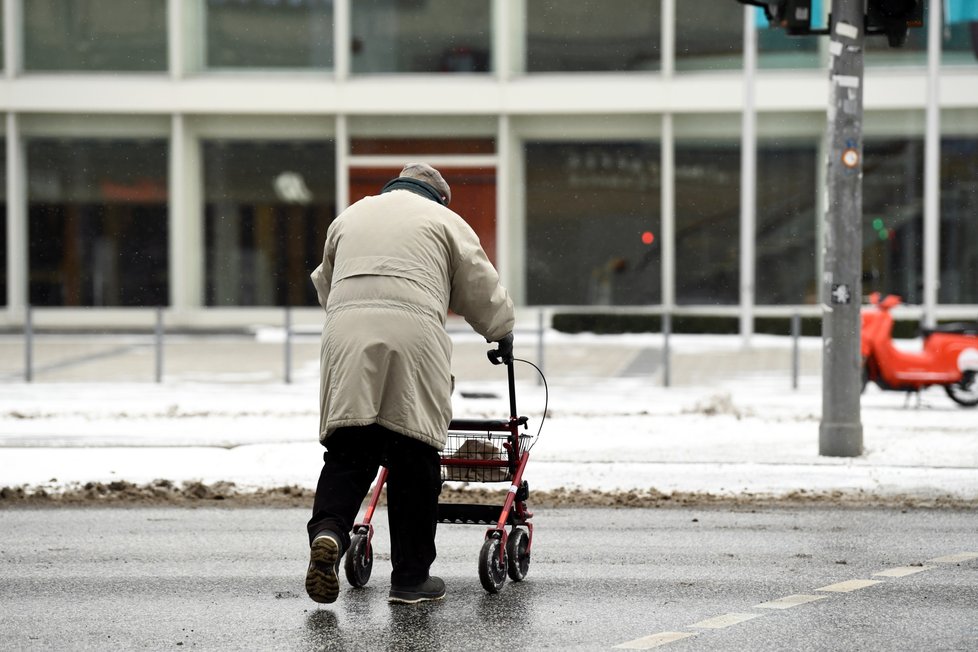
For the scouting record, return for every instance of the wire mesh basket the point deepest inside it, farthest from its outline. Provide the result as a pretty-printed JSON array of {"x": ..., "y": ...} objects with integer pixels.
[{"x": 478, "y": 457}]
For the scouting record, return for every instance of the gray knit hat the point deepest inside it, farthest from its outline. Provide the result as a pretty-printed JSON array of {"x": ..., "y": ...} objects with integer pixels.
[{"x": 431, "y": 176}]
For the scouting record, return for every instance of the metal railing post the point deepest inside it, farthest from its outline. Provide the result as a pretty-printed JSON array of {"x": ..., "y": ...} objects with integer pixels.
[
  {"x": 158, "y": 342},
  {"x": 666, "y": 332},
  {"x": 28, "y": 345},
  {"x": 795, "y": 335},
  {"x": 540, "y": 345},
  {"x": 288, "y": 345}
]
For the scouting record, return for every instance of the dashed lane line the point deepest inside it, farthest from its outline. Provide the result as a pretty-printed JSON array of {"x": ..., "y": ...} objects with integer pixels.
[
  {"x": 850, "y": 585},
  {"x": 954, "y": 559},
  {"x": 789, "y": 601},
  {"x": 726, "y": 620},
  {"x": 903, "y": 571},
  {"x": 655, "y": 640}
]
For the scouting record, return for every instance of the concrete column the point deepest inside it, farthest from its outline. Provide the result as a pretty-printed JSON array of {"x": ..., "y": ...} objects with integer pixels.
[
  {"x": 668, "y": 213},
  {"x": 18, "y": 264},
  {"x": 341, "y": 34},
  {"x": 13, "y": 35},
  {"x": 667, "y": 51},
  {"x": 175, "y": 38},
  {"x": 748, "y": 179},
  {"x": 186, "y": 231},
  {"x": 503, "y": 224},
  {"x": 342, "y": 164},
  {"x": 514, "y": 17}
]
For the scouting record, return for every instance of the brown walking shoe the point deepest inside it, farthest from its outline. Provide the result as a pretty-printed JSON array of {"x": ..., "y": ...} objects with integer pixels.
[{"x": 322, "y": 577}]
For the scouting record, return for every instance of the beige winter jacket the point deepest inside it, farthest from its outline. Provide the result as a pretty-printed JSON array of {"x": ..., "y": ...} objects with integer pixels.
[{"x": 393, "y": 266}]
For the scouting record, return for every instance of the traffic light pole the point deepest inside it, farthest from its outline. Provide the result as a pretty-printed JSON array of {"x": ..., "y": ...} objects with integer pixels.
[{"x": 841, "y": 431}]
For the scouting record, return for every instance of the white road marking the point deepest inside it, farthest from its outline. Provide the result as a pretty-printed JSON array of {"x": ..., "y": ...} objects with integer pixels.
[
  {"x": 902, "y": 571},
  {"x": 954, "y": 559},
  {"x": 655, "y": 640},
  {"x": 789, "y": 601},
  {"x": 850, "y": 585},
  {"x": 726, "y": 620}
]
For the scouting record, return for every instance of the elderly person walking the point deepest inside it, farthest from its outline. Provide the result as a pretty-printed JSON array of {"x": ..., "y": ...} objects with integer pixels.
[{"x": 394, "y": 264}]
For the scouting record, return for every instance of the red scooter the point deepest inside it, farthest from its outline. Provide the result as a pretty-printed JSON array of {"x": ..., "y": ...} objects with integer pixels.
[{"x": 949, "y": 357}]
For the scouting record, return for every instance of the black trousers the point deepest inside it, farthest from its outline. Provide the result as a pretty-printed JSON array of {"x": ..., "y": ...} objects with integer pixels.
[{"x": 353, "y": 457}]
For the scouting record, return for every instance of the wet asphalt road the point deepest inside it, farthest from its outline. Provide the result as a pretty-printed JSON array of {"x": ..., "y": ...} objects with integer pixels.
[{"x": 211, "y": 578}]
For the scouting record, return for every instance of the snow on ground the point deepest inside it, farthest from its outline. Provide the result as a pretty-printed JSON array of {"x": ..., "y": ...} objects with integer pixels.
[{"x": 751, "y": 434}]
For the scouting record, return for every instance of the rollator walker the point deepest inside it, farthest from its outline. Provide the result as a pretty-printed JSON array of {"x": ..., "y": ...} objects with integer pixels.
[{"x": 476, "y": 450}]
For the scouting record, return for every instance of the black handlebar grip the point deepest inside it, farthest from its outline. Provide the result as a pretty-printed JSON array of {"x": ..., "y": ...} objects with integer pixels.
[{"x": 494, "y": 356}]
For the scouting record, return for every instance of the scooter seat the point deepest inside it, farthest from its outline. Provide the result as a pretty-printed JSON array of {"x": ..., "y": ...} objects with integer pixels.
[{"x": 954, "y": 328}]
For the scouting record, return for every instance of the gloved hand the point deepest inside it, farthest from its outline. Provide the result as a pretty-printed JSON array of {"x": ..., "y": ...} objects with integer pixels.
[{"x": 505, "y": 348}]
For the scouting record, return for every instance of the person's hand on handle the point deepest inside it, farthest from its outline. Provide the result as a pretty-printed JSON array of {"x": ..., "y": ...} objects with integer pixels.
[{"x": 503, "y": 353}]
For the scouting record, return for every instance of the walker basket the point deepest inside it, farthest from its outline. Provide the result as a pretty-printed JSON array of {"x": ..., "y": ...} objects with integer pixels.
[{"x": 481, "y": 451}]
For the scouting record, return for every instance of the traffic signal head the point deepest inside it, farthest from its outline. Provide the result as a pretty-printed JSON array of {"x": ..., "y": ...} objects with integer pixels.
[
  {"x": 795, "y": 16},
  {"x": 894, "y": 18}
]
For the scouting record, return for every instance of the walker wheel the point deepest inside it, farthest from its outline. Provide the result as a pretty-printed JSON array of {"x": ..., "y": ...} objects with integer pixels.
[
  {"x": 519, "y": 559},
  {"x": 359, "y": 560},
  {"x": 492, "y": 570}
]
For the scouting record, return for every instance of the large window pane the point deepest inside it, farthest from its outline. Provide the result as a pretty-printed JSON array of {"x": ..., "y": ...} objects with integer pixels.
[
  {"x": 97, "y": 212},
  {"x": 709, "y": 40},
  {"x": 959, "y": 220},
  {"x": 95, "y": 35},
  {"x": 3, "y": 223},
  {"x": 261, "y": 34},
  {"x": 267, "y": 208},
  {"x": 421, "y": 37},
  {"x": 707, "y": 223},
  {"x": 786, "y": 220},
  {"x": 612, "y": 35},
  {"x": 592, "y": 223},
  {"x": 893, "y": 181},
  {"x": 960, "y": 32}
]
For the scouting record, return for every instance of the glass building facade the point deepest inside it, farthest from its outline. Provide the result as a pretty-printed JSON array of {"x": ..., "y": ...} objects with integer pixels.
[{"x": 191, "y": 155}]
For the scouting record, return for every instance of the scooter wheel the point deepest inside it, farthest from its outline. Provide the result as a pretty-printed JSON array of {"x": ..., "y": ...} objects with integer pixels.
[
  {"x": 359, "y": 560},
  {"x": 964, "y": 393}
]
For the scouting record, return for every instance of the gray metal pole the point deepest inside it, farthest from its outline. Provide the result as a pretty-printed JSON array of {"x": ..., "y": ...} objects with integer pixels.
[
  {"x": 159, "y": 344},
  {"x": 841, "y": 431},
  {"x": 795, "y": 335},
  {"x": 666, "y": 331},
  {"x": 288, "y": 345},
  {"x": 932, "y": 165},
  {"x": 28, "y": 344},
  {"x": 540, "y": 346}
]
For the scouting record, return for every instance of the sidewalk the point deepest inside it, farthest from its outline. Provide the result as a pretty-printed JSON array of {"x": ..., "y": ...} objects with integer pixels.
[{"x": 729, "y": 425}]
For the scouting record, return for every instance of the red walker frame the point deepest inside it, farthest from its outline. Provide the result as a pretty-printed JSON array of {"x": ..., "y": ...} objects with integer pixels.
[{"x": 498, "y": 556}]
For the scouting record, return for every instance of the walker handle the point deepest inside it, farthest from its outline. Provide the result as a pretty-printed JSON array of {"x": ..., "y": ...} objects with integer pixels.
[{"x": 496, "y": 357}]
